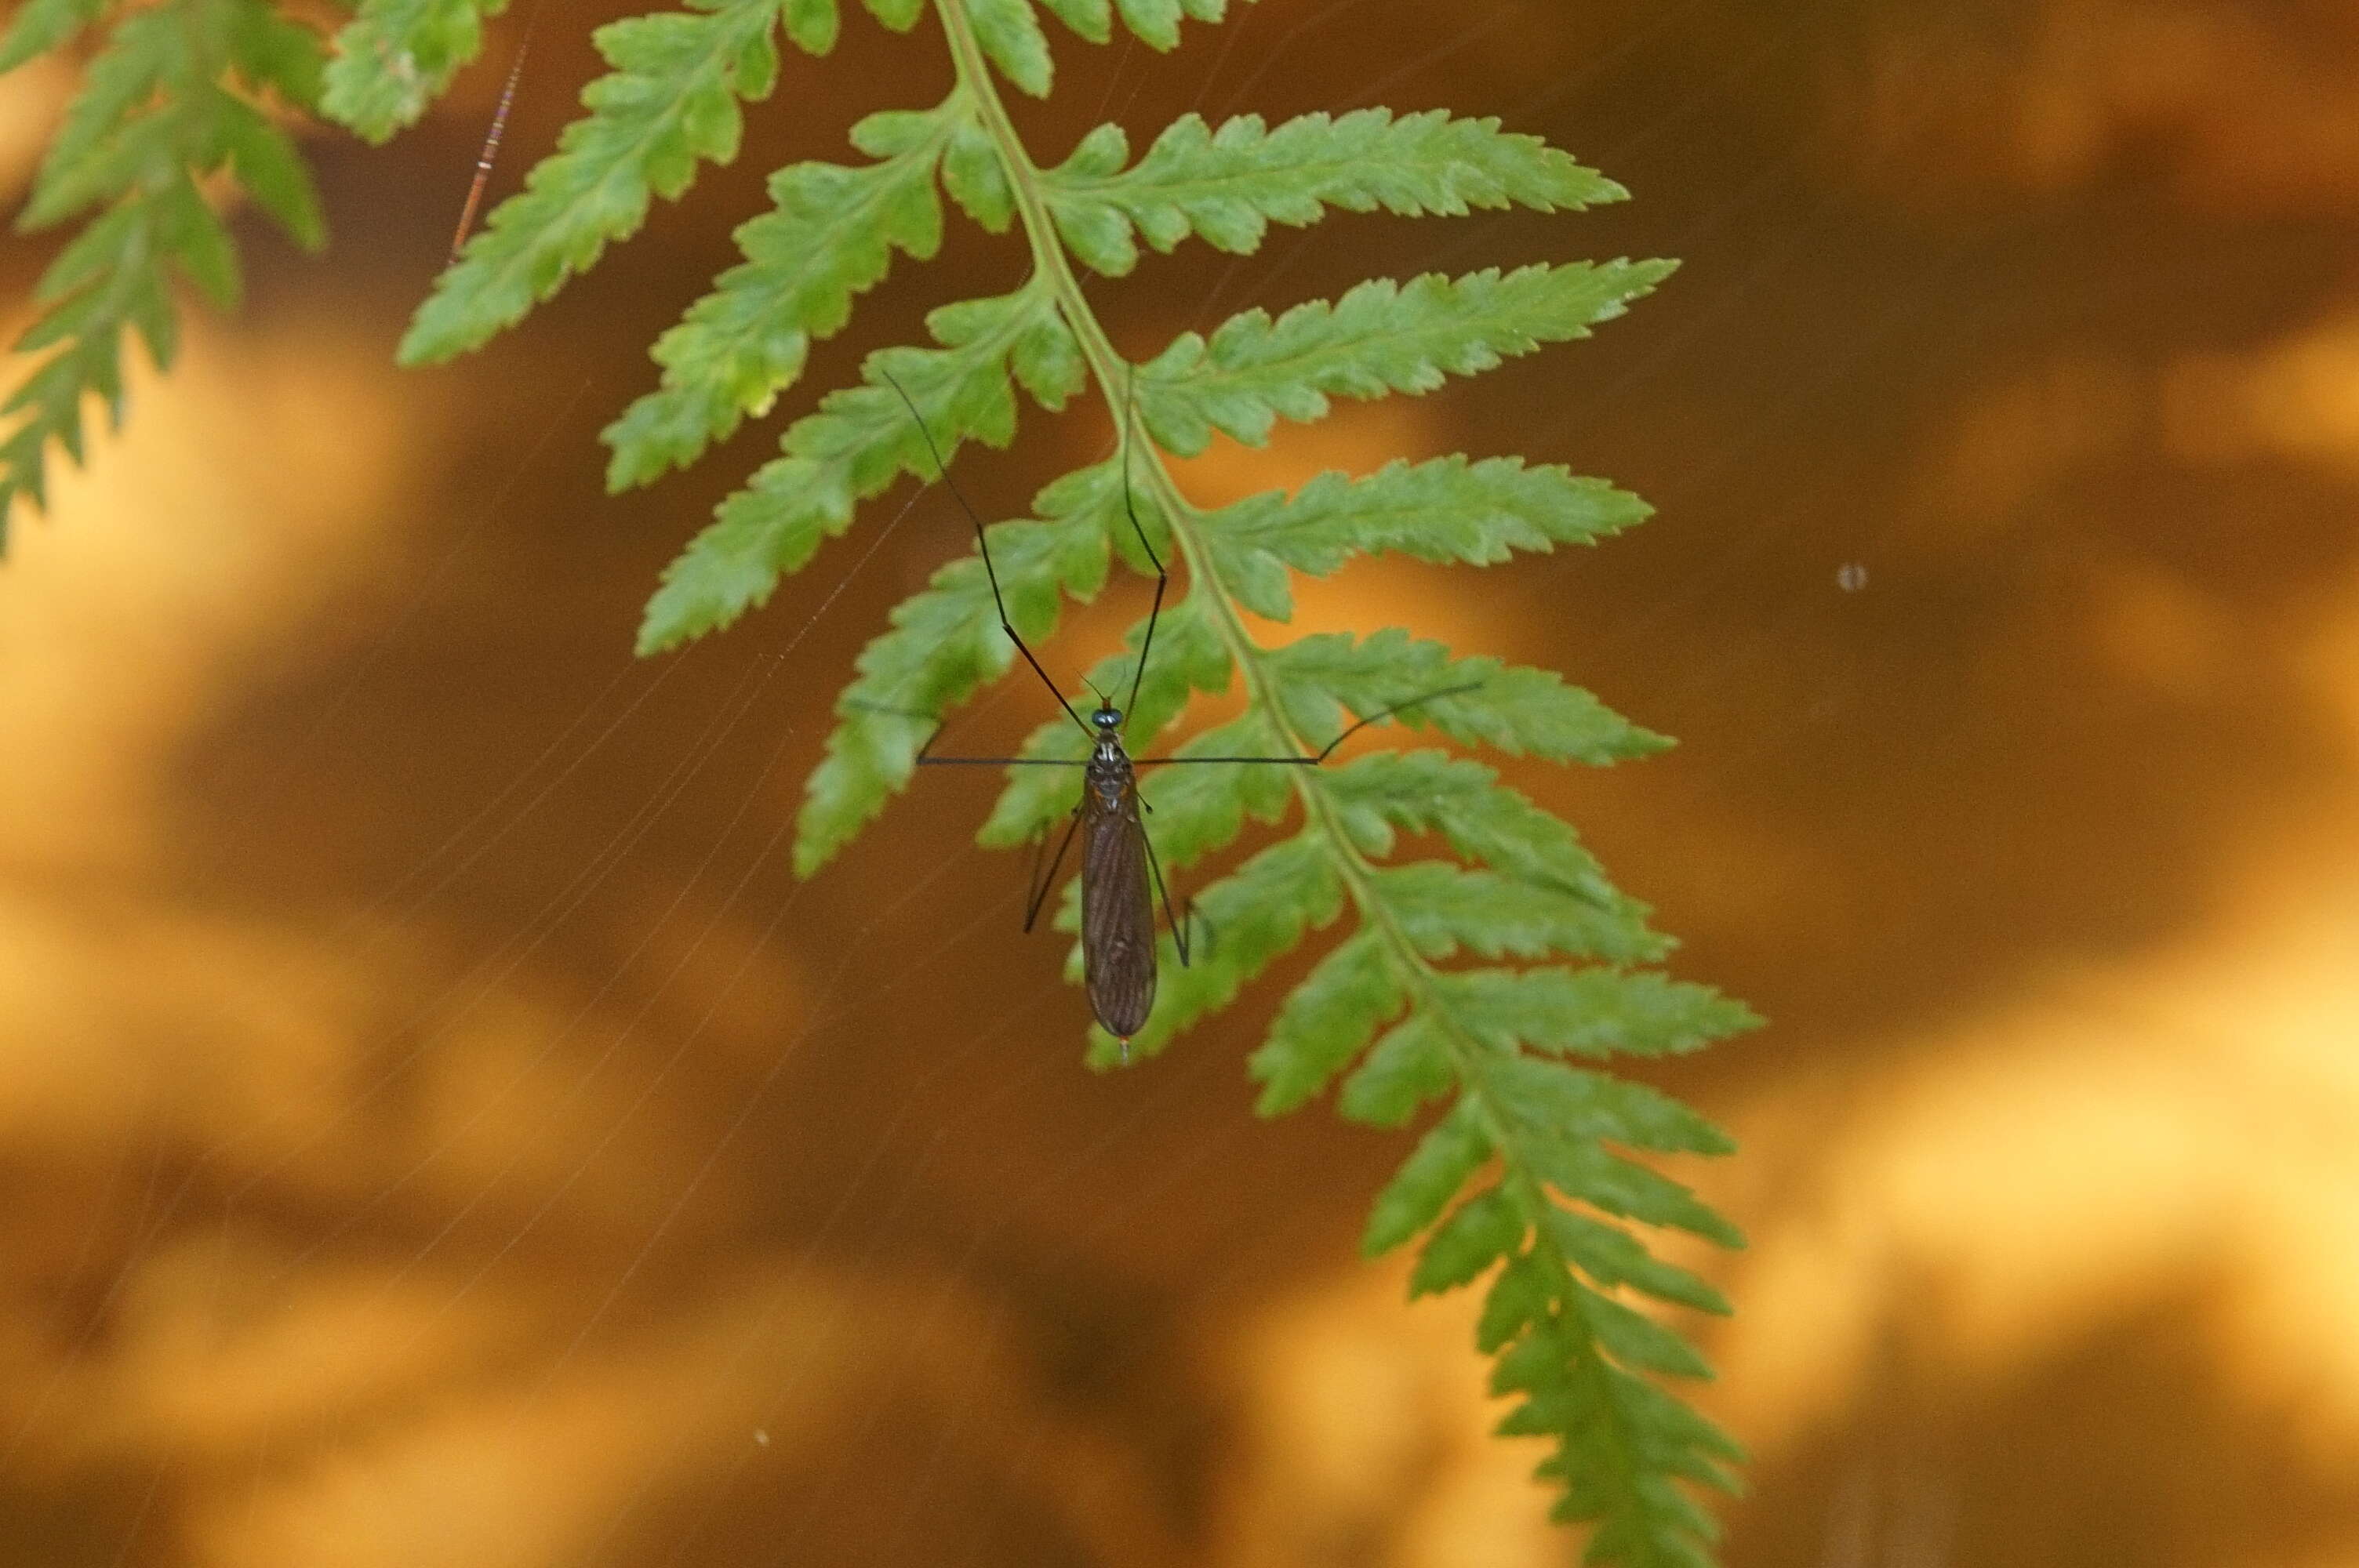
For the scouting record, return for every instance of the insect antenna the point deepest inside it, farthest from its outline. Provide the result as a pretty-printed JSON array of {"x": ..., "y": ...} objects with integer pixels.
[
  {"x": 1162, "y": 578},
  {"x": 491, "y": 143}
]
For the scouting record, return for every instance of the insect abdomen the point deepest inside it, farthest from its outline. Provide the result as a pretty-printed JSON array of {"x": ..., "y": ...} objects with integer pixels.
[{"x": 1117, "y": 915}]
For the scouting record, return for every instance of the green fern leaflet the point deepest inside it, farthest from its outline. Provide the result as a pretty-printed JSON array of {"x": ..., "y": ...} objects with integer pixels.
[
  {"x": 1484, "y": 991},
  {"x": 178, "y": 95}
]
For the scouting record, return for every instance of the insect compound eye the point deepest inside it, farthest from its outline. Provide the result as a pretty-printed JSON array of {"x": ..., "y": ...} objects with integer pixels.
[{"x": 1109, "y": 718}]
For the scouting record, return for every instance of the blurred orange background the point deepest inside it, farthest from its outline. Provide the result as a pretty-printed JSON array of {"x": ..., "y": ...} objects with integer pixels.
[{"x": 437, "y": 1128}]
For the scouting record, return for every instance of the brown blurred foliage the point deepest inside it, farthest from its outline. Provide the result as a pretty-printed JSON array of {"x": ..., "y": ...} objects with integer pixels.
[{"x": 439, "y": 1129}]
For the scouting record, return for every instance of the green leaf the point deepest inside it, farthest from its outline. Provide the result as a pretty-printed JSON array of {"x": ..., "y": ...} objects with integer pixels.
[
  {"x": 1450, "y": 509},
  {"x": 1010, "y": 34},
  {"x": 1229, "y": 185},
  {"x": 1612, "y": 1256},
  {"x": 1555, "y": 1100},
  {"x": 1520, "y": 1295},
  {"x": 269, "y": 50},
  {"x": 1442, "y": 908},
  {"x": 1329, "y": 1020},
  {"x": 1409, "y": 1065},
  {"x": 168, "y": 102},
  {"x": 1157, "y": 22},
  {"x": 1619, "y": 1441},
  {"x": 273, "y": 172},
  {"x": 127, "y": 121},
  {"x": 1381, "y": 337},
  {"x": 41, "y": 25},
  {"x": 973, "y": 173},
  {"x": 1590, "y": 1013},
  {"x": 1481, "y": 819},
  {"x": 669, "y": 104},
  {"x": 830, "y": 234},
  {"x": 1480, "y": 701},
  {"x": 1090, "y": 19},
  {"x": 187, "y": 228},
  {"x": 812, "y": 25},
  {"x": 1479, "y": 1232},
  {"x": 855, "y": 445},
  {"x": 395, "y": 57},
  {"x": 1638, "y": 1341},
  {"x": 1443, "y": 1159},
  {"x": 1618, "y": 1187}
]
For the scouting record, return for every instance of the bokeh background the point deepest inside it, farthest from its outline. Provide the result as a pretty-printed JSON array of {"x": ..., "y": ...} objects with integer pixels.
[{"x": 435, "y": 1128}]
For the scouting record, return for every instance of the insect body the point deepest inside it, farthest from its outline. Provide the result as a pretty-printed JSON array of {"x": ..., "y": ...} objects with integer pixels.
[{"x": 1117, "y": 906}]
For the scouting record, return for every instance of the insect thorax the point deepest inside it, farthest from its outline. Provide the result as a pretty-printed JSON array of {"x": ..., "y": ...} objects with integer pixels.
[{"x": 1109, "y": 772}]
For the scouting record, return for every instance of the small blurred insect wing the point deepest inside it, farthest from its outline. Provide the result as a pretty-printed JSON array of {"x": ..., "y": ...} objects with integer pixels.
[{"x": 1117, "y": 915}]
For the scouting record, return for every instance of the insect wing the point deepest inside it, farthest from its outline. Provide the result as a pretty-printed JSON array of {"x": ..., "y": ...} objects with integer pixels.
[{"x": 1117, "y": 914}]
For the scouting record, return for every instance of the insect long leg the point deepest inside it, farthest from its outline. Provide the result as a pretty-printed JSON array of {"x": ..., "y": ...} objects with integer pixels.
[
  {"x": 1162, "y": 578},
  {"x": 1178, "y": 926},
  {"x": 1036, "y": 891},
  {"x": 1325, "y": 752},
  {"x": 990, "y": 572}
]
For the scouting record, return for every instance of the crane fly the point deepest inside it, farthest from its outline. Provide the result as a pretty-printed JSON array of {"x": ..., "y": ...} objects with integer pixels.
[{"x": 1121, "y": 880}]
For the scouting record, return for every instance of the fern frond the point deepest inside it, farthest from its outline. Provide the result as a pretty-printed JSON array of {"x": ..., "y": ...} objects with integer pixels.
[
  {"x": 1156, "y": 23},
  {"x": 41, "y": 25},
  {"x": 175, "y": 97},
  {"x": 395, "y": 57},
  {"x": 1450, "y": 509},
  {"x": 1381, "y": 337},
  {"x": 1228, "y": 186},
  {"x": 1517, "y": 709}
]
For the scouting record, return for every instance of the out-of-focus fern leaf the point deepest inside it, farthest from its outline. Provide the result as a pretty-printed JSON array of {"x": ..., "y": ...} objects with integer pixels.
[
  {"x": 1381, "y": 337},
  {"x": 1451, "y": 1151},
  {"x": 1229, "y": 185},
  {"x": 1328, "y": 1020},
  {"x": 395, "y": 57},
  {"x": 1589, "y": 1013},
  {"x": 175, "y": 97},
  {"x": 41, "y": 25}
]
